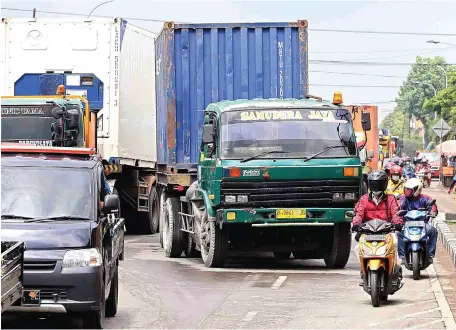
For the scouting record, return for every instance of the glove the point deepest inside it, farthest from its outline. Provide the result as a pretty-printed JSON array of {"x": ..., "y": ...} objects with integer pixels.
[
  {"x": 432, "y": 215},
  {"x": 357, "y": 236},
  {"x": 355, "y": 228},
  {"x": 398, "y": 227}
]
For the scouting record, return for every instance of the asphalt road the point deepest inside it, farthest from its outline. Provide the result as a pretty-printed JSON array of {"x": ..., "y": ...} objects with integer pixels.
[{"x": 259, "y": 292}]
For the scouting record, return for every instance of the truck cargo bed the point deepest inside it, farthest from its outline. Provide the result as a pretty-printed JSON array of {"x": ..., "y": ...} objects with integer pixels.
[{"x": 12, "y": 271}]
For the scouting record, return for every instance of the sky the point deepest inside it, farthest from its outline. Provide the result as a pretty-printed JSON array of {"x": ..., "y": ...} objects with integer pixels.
[{"x": 434, "y": 17}]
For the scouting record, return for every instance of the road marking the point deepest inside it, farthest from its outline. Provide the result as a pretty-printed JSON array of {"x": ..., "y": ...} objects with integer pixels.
[
  {"x": 249, "y": 316},
  {"x": 416, "y": 303},
  {"x": 405, "y": 317},
  {"x": 424, "y": 325},
  {"x": 447, "y": 315},
  {"x": 279, "y": 282}
]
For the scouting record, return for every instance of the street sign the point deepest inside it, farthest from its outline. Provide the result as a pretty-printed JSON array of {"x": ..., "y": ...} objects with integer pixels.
[{"x": 441, "y": 128}]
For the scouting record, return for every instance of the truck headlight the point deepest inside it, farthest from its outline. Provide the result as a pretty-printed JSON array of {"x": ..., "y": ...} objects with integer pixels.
[
  {"x": 338, "y": 196},
  {"x": 243, "y": 199},
  {"x": 230, "y": 199},
  {"x": 350, "y": 195},
  {"x": 82, "y": 258}
]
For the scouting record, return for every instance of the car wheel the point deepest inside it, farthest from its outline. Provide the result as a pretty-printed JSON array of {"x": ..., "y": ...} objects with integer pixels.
[{"x": 95, "y": 319}]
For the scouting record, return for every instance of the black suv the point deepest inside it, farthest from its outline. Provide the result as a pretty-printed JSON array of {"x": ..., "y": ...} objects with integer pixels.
[{"x": 56, "y": 201}]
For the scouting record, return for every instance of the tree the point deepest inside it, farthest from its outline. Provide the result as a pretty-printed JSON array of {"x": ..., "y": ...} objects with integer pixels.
[
  {"x": 397, "y": 123},
  {"x": 412, "y": 94},
  {"x": 445, "y": 104}
]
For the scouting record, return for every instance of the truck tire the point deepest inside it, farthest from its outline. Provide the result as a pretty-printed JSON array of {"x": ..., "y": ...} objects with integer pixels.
[
  {"x": 163, "y": 197},
  {"x": 341, "y": 245},
  {"x": 214, "y": 243},
  {"x": 281, "y": 255},
  {"x": 190, "y": 249},
  {"x": 172, "y": 235},
  {"x": 149, "y": 220}
]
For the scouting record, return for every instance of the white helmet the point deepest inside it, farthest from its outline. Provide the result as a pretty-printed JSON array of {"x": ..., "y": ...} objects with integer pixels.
[{"x": 415, "y": 185}]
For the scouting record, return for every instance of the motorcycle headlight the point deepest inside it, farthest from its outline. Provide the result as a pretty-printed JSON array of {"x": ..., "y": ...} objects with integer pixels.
[
  {"x": 415, "y": 237},
  {"x": 230, "y": 199},
  {"x": 367, "y": 251},
  {"x": 82, "y": 258},
  {"x": 381, "y": 250}
]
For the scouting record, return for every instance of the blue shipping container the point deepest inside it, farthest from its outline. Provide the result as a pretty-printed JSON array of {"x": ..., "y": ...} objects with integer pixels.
[{"x": 198, "y": 64}]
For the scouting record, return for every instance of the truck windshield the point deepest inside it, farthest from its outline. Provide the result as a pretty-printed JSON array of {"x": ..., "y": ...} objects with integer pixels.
[
  {"x": 46, "y": 192},
  {"x": 297, "y": 132},
  {"x": 27, "y": 124}
]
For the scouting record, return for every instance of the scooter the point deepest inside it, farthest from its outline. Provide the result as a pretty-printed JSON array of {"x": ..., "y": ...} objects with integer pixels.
[
  {"x": 415, "y": 237},
  {"x": 377, "y": 256},
  {"x": 425, "y": 177}
]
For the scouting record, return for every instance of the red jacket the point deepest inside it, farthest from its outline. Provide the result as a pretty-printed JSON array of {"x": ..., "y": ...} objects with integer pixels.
[{"x": 367, "y": 210}]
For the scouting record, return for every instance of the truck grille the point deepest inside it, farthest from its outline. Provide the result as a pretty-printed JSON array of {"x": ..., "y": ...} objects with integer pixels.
[{"x": 312, "y": 193}]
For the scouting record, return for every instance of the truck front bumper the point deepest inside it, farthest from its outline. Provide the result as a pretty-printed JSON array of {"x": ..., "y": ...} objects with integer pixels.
[{"x": 268, "y": 216}]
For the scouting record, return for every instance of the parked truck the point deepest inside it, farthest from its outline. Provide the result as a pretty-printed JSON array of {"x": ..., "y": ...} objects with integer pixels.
[
  {"x": 111, "y": 64},
  {"x": 247, "y": 160},
  {"x": 12, "y": 272}
]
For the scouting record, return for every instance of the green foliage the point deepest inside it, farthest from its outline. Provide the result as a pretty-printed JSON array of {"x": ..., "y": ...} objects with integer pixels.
[{"x": 398, "y": 124}]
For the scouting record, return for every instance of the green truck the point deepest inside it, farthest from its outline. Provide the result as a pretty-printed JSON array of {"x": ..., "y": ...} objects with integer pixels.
[{"x": 273, "y": 175}]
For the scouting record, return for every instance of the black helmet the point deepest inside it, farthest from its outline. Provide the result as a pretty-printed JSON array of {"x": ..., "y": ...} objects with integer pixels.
[{"x": 377, "y": 181}]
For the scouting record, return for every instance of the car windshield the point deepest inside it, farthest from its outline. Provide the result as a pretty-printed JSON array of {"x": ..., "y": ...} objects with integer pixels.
[
  {"x": 290, "y": 133},
  {"x": 46, "y": 192},
  {"x": 432, "y": 156},
  {"x": 27, "y": 124}
]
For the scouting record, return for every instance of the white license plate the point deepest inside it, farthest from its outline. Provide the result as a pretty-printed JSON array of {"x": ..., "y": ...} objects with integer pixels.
[{"x": 415, "y": 223}]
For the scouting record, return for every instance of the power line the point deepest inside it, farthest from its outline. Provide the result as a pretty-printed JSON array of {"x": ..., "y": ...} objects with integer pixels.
[
  {"x": 379, "y": 51},
  {"x": 368, "y": 63},
  {"x": 360, "y": 86},
  {"x": 358, "y": 74},
  {"x": 429, "y": 51},
  {"x": 316, "y": 30}
]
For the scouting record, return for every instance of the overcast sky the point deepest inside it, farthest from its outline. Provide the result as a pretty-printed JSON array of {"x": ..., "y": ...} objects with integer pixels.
[{"x": 405, "y": 16}]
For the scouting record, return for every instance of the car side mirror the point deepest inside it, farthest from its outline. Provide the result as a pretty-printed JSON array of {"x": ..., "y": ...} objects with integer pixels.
[
  {"x": 366, "y": 121},
  {"x": 208, "y": 133},
  {"x": 57, "y": 112},
  {"x": 111, "y": 204},
  {"x": 401, "y": 213}
]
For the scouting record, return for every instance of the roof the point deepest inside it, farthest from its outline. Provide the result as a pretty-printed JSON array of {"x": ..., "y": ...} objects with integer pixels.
[
  {"x": 242, "y": 104},
  {"x": 41, "y": 160}
]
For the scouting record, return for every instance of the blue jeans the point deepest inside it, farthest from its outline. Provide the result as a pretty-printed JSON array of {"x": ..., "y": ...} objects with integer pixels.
[{"x": 432, "y": 234}]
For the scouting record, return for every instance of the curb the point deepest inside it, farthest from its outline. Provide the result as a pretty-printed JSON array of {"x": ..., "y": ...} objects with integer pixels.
[{"x": 446, "y": 236}]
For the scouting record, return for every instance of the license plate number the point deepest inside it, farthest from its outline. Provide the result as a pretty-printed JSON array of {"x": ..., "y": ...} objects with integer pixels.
[
  {"x": 414, "y": 223},
  {"x": 291, "y": 214},
  {"x": 371, "y": 238},
  {"x": 31, "y": 298}
]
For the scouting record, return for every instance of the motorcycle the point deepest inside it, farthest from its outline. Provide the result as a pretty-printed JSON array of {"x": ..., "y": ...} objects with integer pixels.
[
  {"x": 425, "y": 176},
  {"x": 415, "y": 237},
  {"x": 408, "y": 173},
  {"x": 377, "y": 255}
]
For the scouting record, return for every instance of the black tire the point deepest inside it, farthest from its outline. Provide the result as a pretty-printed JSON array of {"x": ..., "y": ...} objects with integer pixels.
[
  {"x": 163, "y": 197},
  {"x": 282, "y": 255},
  {"x": 340, "y": 251},
  {"x": 214, "y": 243},
  {"x": 190, "y": 250},
  {"x": 173, "y": 237},
  {"x": 149, "y": 220},
  {"x": 375, "y": 287},
  {"x": 113, "y": 298},
  {"x": 96, "y": 319},
  {"x": 416, "y": 265},
  {"x": 384, "y": 298}
]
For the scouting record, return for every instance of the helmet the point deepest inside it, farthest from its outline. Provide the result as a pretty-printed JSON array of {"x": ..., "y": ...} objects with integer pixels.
[
  {"x": 377, "y": 182},
  {"x": 413, "y": 187},
  {"x": 424, "y": 160},
  {"x": 396, "y": 170}
]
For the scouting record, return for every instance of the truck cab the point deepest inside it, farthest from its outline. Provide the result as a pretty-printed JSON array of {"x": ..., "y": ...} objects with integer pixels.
[{"x": 273, "y": 175}]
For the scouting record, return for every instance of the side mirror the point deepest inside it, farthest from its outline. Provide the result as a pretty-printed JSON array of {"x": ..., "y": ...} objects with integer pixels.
[
  {"x": 111, "y": 204},
  {"x": 401, "y": 213},
  {"x": 432, "y": 203},
  {"x": 366, "y": 121},
  {"x": 72, "y": 119},
  {"x": 57, "y": 131},
  {"x": 350, "y": 214},
  {"x": 208, "y": 133},
  {"x": 370, "y": 154},
  {"x": 57, "y": 112}
]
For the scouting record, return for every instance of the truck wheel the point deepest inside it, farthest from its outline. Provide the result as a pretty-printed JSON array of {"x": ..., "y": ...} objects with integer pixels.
[
  {"x": 190, "y": 250},
  {"x": 149, "y": 220},
  {"x": 214, "y": 243},
  {"x": 163, "y": 197},
  {"x": 340, "y": 251},
  {"x": 172, "y": 235},
  {"x": 113, "y": 299},
  {"x": 282, "y": 255}
]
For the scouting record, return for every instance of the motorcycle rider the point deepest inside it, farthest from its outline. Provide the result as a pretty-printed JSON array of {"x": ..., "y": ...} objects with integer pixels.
[
  {"x": 377, "y": 205},
  {"x": 413, "y": 199},
  {"x": 395, "y": 183}
]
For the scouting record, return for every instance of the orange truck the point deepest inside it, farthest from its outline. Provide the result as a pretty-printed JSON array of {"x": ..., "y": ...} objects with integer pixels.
[{"x": 369, "y": 154}]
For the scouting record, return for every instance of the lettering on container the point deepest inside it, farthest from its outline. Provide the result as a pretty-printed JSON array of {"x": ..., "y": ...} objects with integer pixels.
[
  {"x": 281, "y": 69},
  {"x": 250, "y": 172}
]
